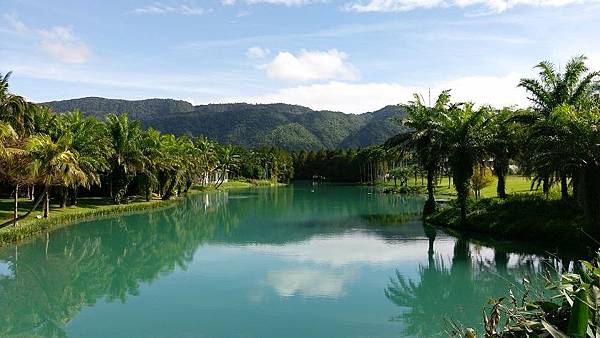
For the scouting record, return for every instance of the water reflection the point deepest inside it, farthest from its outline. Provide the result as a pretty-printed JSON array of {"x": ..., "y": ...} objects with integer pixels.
[
  {"x": 310, "y": 282},
  {"x": 455, "y": 289},
  {"x": 221, "y": 264}
]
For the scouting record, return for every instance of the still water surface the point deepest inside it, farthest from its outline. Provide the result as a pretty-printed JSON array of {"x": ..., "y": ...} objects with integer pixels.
[{"x": 297, "y": 261}]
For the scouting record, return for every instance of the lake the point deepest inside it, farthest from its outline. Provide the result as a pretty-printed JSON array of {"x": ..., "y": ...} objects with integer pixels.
[{"x": 294, "y": 261}]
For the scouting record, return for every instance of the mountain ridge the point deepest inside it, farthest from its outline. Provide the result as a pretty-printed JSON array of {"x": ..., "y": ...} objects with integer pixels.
[{"x": 293, "y": 127}]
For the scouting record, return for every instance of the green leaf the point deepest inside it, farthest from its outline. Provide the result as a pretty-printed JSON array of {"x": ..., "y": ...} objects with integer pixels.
[{"x": 554, "y": 332}]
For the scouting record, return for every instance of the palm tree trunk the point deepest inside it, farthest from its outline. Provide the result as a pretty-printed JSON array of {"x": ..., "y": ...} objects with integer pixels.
[
  {"x": 430, "y": 205},
  {"x": 564, "y": 187},
  {"x": 169, "y": 191},
  {"x": 36, "y": 203},
  {"x": 73, "y": 195},
  {"x": 16, "y": 210},
  {"x": 501, "y": 188},
  {"x": 221, "y": 179},
  {"x": 63, "y": 197},
  {"x": 148, "y": 189},
  {"x": 546, "y": 185},
  {"x": 47, "y": 205}
]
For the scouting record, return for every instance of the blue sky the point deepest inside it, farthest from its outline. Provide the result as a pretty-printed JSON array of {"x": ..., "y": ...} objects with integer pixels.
[{"x": 347, "y": 55}]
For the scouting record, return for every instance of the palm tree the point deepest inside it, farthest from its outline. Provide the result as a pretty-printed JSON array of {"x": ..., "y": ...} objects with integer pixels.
[
  {"x": 14, "y": 109},
  {"x": 463, "y": 133},
  {"x": 53, "y": 164},
  {"x": 503, "y": 145},
  {"x": 191, "y": 164},
  {"x": 7, "y": 133},
  {"x": 10, "y": 158},
  {"x": 207, "y": 158},
  {"x": 126, "y": 157},
  {"x": 552, "y": 90},
  {"x": 91, "y": 145},
  {"x": 14, "y": 161},
  {"x": 424, "y": 139},
  {"x": 151, "y": 151},
  {"x": 228, "y": 160},
  {"x": 570, "y": 138},
  {"x": 171, "y": 165}
]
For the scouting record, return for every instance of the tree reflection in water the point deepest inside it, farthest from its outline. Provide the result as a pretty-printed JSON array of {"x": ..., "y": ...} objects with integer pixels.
[
  {"x": 429, "y": 303},
  {"x": 46, "y": 282},
  {"x": 52, "y": 278}
]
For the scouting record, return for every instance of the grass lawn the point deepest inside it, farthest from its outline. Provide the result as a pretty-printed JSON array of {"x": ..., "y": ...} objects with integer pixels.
[
  {"x": 514, "y": 185},
  {"x": 87, "y": 207}
]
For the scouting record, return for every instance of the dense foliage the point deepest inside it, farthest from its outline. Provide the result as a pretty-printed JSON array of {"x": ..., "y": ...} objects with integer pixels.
[
  {"x": 556, "y": 141},
  {"x": 61, "y": 155},
  {"x": 353, "y": 165},
  {"x": 252, "y": 125},
  {"x": 574, "y": 312}
]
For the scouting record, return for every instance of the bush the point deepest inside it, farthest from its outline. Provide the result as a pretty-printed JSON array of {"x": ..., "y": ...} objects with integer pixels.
[{"x": 530, "y": 217}]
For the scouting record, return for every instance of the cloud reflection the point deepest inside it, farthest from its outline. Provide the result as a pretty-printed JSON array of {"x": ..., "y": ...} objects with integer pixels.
[
  {"x": 353, "y": 248},
  {"x": 309, "y": 282}
]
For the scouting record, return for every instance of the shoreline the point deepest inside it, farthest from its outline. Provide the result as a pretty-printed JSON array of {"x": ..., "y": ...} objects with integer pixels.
[
  {"x": 525, "y": 218},
  {"x": 31, "y": 227}
]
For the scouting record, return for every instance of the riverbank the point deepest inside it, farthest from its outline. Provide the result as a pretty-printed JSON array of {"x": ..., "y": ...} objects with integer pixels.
[
  {"x": 93, "y": 207},
  {"x": 518, "y": 217},
  {"x": 524, "y": 215}
]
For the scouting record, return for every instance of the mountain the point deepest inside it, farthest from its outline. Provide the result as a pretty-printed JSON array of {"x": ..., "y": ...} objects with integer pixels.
[{"x": 290, "y": 126}]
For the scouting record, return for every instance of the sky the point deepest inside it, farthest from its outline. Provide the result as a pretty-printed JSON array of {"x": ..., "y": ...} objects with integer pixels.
[{"x": 352, "y": 56}]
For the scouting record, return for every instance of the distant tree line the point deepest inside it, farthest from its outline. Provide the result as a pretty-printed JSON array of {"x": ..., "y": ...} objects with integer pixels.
[{"x": 364, "y": 165}]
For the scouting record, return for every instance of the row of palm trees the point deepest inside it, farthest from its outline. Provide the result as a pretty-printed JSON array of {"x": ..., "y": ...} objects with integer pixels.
[
  {"x": 556, "y": 140},
  {"x": 61, "y": 153}
]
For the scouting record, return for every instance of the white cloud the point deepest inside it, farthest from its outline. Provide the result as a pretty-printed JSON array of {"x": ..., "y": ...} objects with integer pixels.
[
  {"x": 14, "y": 23},
  {"x": 310, "y": 66},
  {"x": 358, "y": 98},
  {"x": 257, "y": 52},
  {"x": 490, "y": 6},
  {"x": 159, "y": 8},
  {"x": 60, "y": 43}
]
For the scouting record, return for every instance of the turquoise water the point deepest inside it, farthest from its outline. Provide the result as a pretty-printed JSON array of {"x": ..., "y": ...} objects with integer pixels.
[{"x": 297, "y": 261}]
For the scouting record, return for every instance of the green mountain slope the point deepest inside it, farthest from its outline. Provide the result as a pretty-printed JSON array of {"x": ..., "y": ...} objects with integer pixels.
[{"x": 290, "y": 126}]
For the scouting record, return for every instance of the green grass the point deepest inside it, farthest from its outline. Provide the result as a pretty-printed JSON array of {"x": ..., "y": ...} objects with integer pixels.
[
  {"x": 514, "y": 185},
  {"x": 525, "y": 214},
  {"x": 249, "y": 183},
  {"x": 86, "y": 208}
]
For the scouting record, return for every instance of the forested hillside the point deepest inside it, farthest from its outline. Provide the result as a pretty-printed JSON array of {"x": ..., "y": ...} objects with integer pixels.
[{"x": 290, "y": 126}]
